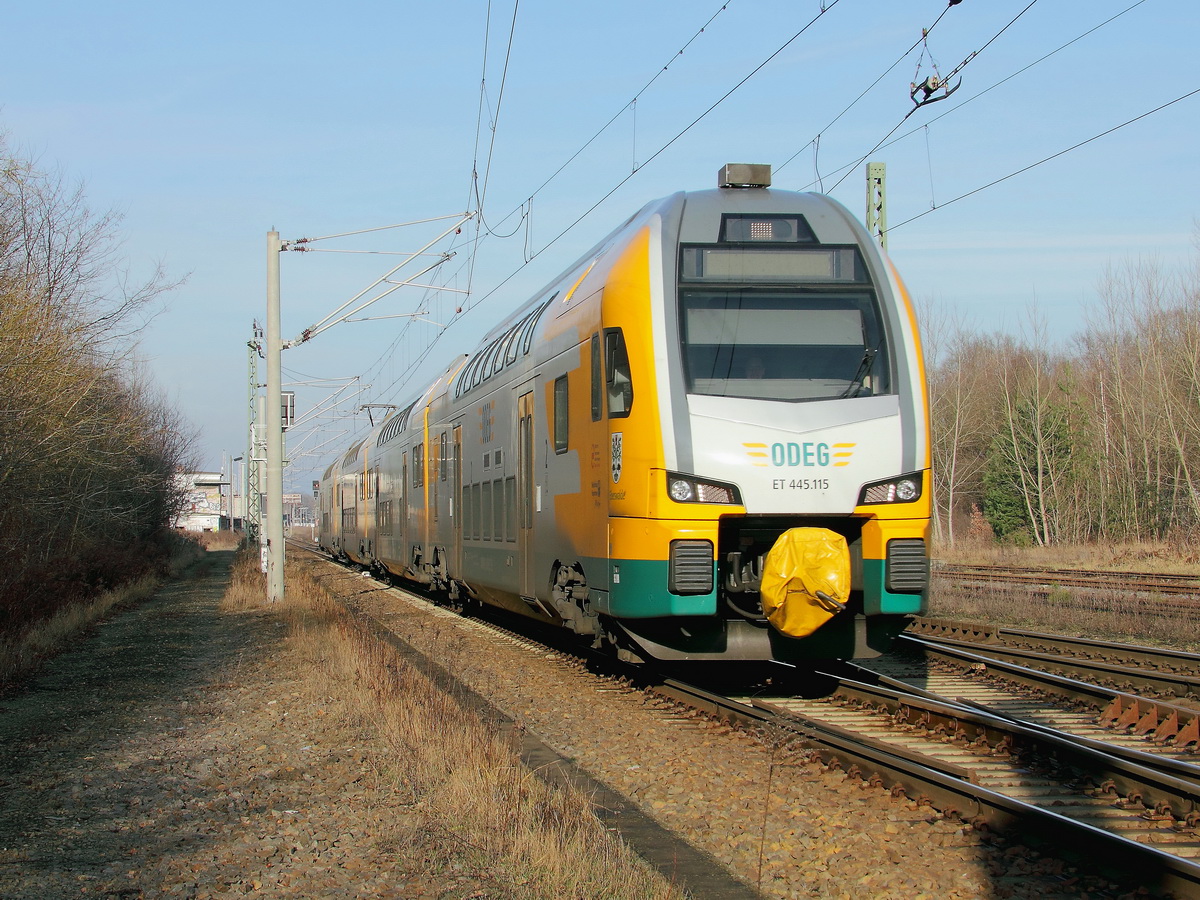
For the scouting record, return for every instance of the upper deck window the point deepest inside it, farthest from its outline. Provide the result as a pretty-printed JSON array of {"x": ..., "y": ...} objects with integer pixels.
[
  {"x": 773, "y": 323},
  {"x": 830, "y": 265}
]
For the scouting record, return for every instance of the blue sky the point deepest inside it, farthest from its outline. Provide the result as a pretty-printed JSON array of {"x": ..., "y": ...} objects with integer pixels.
[{"x": 206, "y": 126}]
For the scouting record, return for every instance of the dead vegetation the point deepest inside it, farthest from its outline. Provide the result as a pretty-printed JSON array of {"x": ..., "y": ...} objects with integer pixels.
[
  {"x": 1115, "y": 613},
  {"x": 23, "y": 650},
  {"x": 88, "y": 448},
  {"x": 473, "y": 802}
]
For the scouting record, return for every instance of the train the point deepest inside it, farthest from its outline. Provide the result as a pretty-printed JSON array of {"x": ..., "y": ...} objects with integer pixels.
[{"x": 707, "y": 440}]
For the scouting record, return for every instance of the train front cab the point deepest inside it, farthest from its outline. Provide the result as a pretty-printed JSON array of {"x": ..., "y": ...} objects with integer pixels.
[
  {"x": 681, "y": 536},
  {"x": 709, "y": 609}
]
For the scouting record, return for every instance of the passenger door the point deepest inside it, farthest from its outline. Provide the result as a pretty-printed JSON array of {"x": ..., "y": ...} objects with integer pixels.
[{"x": 525, "y": 493}]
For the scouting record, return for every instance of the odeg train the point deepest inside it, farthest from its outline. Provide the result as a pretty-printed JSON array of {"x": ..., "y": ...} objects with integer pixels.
[{"x": 707, "y": 440}]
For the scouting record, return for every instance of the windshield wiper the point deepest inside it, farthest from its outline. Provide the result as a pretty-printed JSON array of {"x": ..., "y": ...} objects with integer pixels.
[{"x": 857, "y": 383}]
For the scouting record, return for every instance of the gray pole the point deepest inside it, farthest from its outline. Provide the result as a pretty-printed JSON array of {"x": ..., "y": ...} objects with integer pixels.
[
  {"x": 254, "y": 455},
  {"x": 877, "y": 202},
  {"x": 274, "y": 426}
]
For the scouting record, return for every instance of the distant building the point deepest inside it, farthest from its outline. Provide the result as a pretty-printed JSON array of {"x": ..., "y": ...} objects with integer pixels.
[{"x": 204, "y": 501}]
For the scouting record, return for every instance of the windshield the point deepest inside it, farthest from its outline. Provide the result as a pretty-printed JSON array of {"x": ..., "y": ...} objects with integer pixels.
[{"x": 781, "y": 344}]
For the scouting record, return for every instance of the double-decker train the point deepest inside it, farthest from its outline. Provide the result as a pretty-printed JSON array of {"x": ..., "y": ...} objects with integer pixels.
[{"x": 707, "y": 440}]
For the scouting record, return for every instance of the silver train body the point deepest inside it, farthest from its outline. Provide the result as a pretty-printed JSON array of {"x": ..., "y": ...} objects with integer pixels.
[{"x": 620, "y": 454}]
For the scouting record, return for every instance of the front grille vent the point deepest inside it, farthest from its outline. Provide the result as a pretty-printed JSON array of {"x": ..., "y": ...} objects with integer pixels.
[
  {"x": 907, "y": 566},
  {"x": 691, "y": 570}
]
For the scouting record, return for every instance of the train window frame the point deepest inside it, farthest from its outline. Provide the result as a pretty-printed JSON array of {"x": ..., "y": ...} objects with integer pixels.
[
  {"x": 750, "y": 363},
  {"x": 485, "y": 511},
  {"x": 512, "y": 345},
  {"x": 476, "y": 514},
  {"x": 498, "y": 517},
  {"x": 562, "y": 414},
  {"x": 496, "y": 359},
  {"x": 597, "y": 379},
  {"x": 510, "y": 509},
  {"x": 527, "y": 333},
  {"x": 618, "y": 376},
  {"x": 465, "y": 505}
]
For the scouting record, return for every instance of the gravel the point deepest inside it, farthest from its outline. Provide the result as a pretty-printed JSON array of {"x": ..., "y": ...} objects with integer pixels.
[{"x": 182, "y": 752}]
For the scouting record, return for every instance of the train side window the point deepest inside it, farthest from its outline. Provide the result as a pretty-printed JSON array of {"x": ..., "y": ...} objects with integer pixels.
[
  {"x": 465, "y": 506},
  {"x": 476, "y": 518},
  {"x": 496, "y": 360},
  {"x": 597, "y": 380},
  {"x": 527, "y": 332},
  {"x": 486, "y": 513},
  {"x": 511, "y": 346},
  {"x": 510, "y": 507},
  {"x": 561, "y": 419},
  {"x": 617, "y": 374},
  {"x": 498, "y": 518},
  {"x": 418, "y": 469}
]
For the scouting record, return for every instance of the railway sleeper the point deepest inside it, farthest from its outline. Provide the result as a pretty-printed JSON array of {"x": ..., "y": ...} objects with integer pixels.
[{"x": 1144, "y": 718}]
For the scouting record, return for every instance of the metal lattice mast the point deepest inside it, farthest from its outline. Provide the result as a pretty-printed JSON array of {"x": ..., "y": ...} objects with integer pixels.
[
  {"x": 254, "y": 454},
  {"x": 877, "y": 202}
]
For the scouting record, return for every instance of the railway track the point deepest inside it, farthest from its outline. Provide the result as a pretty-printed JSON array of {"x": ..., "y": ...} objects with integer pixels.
[
  {"x": 978, "y": 754},
  {"x": 1150, "y": 671},
  {"x": 1095, "y": 580}
]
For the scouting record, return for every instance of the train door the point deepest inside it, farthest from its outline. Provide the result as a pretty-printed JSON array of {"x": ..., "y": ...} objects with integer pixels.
[
  {"x": 455, "y": 489},
  {"x": 526, "y": 492},
  {"x": 402, "y": 540}
]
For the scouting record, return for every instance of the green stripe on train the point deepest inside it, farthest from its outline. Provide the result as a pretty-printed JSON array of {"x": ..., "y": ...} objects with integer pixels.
[
  {"x": 878, "y": 599},
  {"x": 638, "y": 590}
]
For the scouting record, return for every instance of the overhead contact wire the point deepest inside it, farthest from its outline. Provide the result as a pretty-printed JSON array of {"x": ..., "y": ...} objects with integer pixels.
[
  {"x": 1053, "y": 156},
  {"x": 825, "y": 8},
  {"x": 1007, "y": 78},
  {"x": 958, "y": 69},
  {"x": 924, "y": 34}
]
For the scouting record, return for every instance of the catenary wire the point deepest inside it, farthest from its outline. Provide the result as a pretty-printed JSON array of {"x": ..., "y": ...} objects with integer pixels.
[
  {"x": 825, "y": 8},
  {"x": 958, "y": 69},
  {"x": 1047, "y": 159},
  {"x": 851, "y": 166},
  {"x": 924, "y": 34}
]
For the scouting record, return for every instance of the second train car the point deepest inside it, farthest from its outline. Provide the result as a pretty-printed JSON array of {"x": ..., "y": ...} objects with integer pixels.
[{"x": 707, "y": 440}]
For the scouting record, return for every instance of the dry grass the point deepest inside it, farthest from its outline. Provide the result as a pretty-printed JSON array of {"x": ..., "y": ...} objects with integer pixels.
[
  {"x": 22, "y": 653},
  {"x": 1111, "y": 615},
  {"x": 474, "y": 804},
  {"x": 1166, "y": 557},
  {"x": 216, "y": 540}
]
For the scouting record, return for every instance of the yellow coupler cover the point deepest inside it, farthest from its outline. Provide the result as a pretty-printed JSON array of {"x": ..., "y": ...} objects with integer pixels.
[{"x": 803, "y": 562}]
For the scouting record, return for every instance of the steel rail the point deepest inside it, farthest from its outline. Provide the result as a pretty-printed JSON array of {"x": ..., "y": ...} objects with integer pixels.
[
  {"x": 1176, "y": 684},
  {"x": 1161, "y": 658},
  {"x": 1161, "y": 720},
  {"x": 949, "y": 787},
  {"x": 1146, "y": 582}
]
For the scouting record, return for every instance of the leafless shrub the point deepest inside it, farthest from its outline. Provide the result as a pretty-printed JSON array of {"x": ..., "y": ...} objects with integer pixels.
[{"x": 88, "y": 450}]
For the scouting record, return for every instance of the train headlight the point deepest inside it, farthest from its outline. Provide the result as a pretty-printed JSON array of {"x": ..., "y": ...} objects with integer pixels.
[
  {"x": 904, "y": 489},
  {"x": 681, "y": 491},
  {"x": 685, "y": 489}
]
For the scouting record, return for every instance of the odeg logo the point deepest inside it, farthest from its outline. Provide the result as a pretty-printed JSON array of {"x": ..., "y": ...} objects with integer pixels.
[
  {"x": 811, "y": 454},
  {"x": 806, "y": 454}
]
